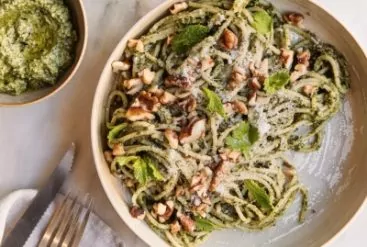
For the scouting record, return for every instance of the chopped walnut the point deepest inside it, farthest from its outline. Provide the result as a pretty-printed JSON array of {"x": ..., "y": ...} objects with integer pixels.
[
  {"x": 229, "y": 155},
  {"x": 148, "y": 101},
  {"x": 180, "y": 191},
  {"x": 230, "y": 40},
  {"x": 120, "y": 66},
  {"x": 252, "y": 99},
  {"x": 218, "y": 176},
  {"x": 202, "y": 209},
  {"x": 137, "y": 212},
  {"x": 177, "y": 81},
  {"x": 304, "y": 57},
  {"x": 192, "y": 132},
  {"x": 178, "y": 7},
  {"x": 189, "y": 104},
  {"x": 299, "y": 71},
  {"x": 187, "y": 223},
  {"x": 238, "y": 77},
  {"x": 207, "y": 63},
  {"x": 294, "y": 18},
  {"x": 262, "y": 72},
  {"x": 159, "y": 208},
  {"x": 118, "y": 150},
  {"x": 255, "y": 84},
  {"x": 287, "y": 57},
  {"x": 138, "y": 114},
  {"x": 172, "y": 138},
  {"x": 108, "y": 156},
  {"x": 228, "y": 108},
  {"x": 167, "y": 98},
  {"x": 309, "y": 90},
  {"x": 133, "y": 86},
  {"x": 137, "y": 44},
  {"x": 175, "y": 227},
  {"x": 147, "y": 76},
  {"x": 240, "y": 107}
]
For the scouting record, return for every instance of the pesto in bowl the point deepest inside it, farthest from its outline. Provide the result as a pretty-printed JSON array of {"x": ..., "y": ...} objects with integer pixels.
[{"x": 37, "y": 41}]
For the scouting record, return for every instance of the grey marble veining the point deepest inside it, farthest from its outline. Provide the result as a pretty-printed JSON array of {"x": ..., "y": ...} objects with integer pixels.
[{"x": 33, "y": 138}]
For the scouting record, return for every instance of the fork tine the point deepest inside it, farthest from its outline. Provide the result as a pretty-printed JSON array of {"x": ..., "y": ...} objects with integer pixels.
[
  {"x": 81, "y": 227},
  {"x": 70, "y": 235},
  {"x": 54, "y": 223},
  {"x": 64, "y": 224}
]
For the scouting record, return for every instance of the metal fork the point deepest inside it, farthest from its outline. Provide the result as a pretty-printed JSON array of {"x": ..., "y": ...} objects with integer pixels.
[{"x": 68, "y": 223}]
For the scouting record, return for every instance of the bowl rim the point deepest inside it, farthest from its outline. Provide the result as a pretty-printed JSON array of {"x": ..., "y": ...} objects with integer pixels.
[
  {"x": 72, "y": 73},
  {"x": 95, "y": 125}
]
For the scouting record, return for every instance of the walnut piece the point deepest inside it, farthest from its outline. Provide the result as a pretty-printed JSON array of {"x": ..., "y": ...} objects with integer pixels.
[
  {"x": 172, "y": 138},
  {"x": 133, "y": 86},
  {"x": 287, "y": 58},
  {"x": 230, "y": 40},
  {"x": 118, "y": 150},
  {"x": 137, "y": 212},
  {"x": 187, "y": 223},
  {"x": 177, "y": 81},
  {"x": 120, "y": 66},
  {"x": 178, "y": 7},
  {"x": 294, "y": 18},
  {"x": 138, "y": 114},
  {"x": 192, "y": 132},
  {"x": 175, "y": 227},
  {"x": 189, "y": 104},
  {"x": 147, "y": 76}
]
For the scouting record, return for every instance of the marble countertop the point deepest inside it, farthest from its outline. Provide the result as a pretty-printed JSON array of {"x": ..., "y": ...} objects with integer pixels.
[{"x": 33, "y": 138}]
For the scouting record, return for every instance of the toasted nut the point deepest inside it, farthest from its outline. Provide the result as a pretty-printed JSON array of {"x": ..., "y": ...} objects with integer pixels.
[
  {"x": 170, "y": 204},
  {"x": 229, "y": 155},
  {"x": 309, "y": 90},
  {"x": 218, "y": 176},
  {"x": 193, "y": 131},
  {"x": 169, "y": 40},
  {"x": 294, "y": 18},
  {"x": 167, "y": 98},
  {"x": 137, "y": 212},
  {"x": 230, "y": 39},
  {"x": 300, "y": 70},
  {"x": 287, "y": 57},
  {"x": 118, "y": 150},
  {"x": 180, "y": 191},
  {"x": 252, "y": 99},
  {"x": 175, "y": 227},
  {"x": 207, "y": 63},
  {"x": 240, "y": 107},
  {"x": 177, "y": 81},
  {"x": 228, "y": 108},
  {"x": 140, "y": 46},
  {"x": 133, "y": 85},
  {"x": 148, "y": 101},
  {"x": 187, "y": 223},
  {"x": 137, "y": 114},
  {"x": 255, "y": 84},
  {"x": 172, "y": 138},
  {"x": 304, "y": 57},
  {"x": 159, "y": 208},
  {"x": 120, "y": 66},
  {"x": 108, "y": 156},
  {"x": 147, "y": 76},
  {"x": 178, "y": 7},
  {"x": 132, "y": 43},
  {"x": 189, "y": 104}
]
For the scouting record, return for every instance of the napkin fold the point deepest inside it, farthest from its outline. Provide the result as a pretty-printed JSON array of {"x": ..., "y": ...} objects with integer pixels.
[{"x": 12, "y": 207}]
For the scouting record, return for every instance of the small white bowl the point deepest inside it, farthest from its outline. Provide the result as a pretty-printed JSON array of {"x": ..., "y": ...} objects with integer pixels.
[{"x": 336, "y": 175}]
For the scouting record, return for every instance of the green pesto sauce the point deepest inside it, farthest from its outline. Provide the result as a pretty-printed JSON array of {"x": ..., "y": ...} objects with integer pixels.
[{"x": 37, "y": 41}]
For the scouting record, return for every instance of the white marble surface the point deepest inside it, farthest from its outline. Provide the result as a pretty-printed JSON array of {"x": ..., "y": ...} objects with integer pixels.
[{"x": 34, "y": 137}]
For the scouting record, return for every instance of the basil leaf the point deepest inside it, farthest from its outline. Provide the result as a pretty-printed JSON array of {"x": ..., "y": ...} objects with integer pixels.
[
  {"x": 215, "y": 104},
  {"x": 115, "y": 131},
  {"x": 153, "y": 171},
  {"x": 259, "y": 194},
  {"x": 243, "y": 137},
  {"x": 122, "y": 161},
  {"x": 276, "y": 81},
  {"x": 141, "y": 171},
  {"x": 263, "y": 23},
  {"x": 189, "y": 37},
  {"x": 204, "y": 224}
]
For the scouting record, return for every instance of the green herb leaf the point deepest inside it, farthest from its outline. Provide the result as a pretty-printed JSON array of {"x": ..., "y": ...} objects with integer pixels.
[
  {"x": 243, "y": 137},
  {"x": 263, "y": 23},
  {"x": 122, "y": 161},
  {"x": 204, "y": 224},
  {"x": 141, "y": 171},
  {"x": 259, "y": 194},
  {"x": 215, "y": 104},
  {"x": 189, "y": 37},
  {"x": 153, "y": 171},
  {"x": 115, "y": 131},
  {"x": 276, "y": 81}
]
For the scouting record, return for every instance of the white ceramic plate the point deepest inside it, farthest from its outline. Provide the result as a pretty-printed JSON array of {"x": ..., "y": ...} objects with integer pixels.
[{"x": 336, "y": 175}]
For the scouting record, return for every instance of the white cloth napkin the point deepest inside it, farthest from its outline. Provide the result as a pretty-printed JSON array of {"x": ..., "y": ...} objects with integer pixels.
[{"x": 96, "y": 234}]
